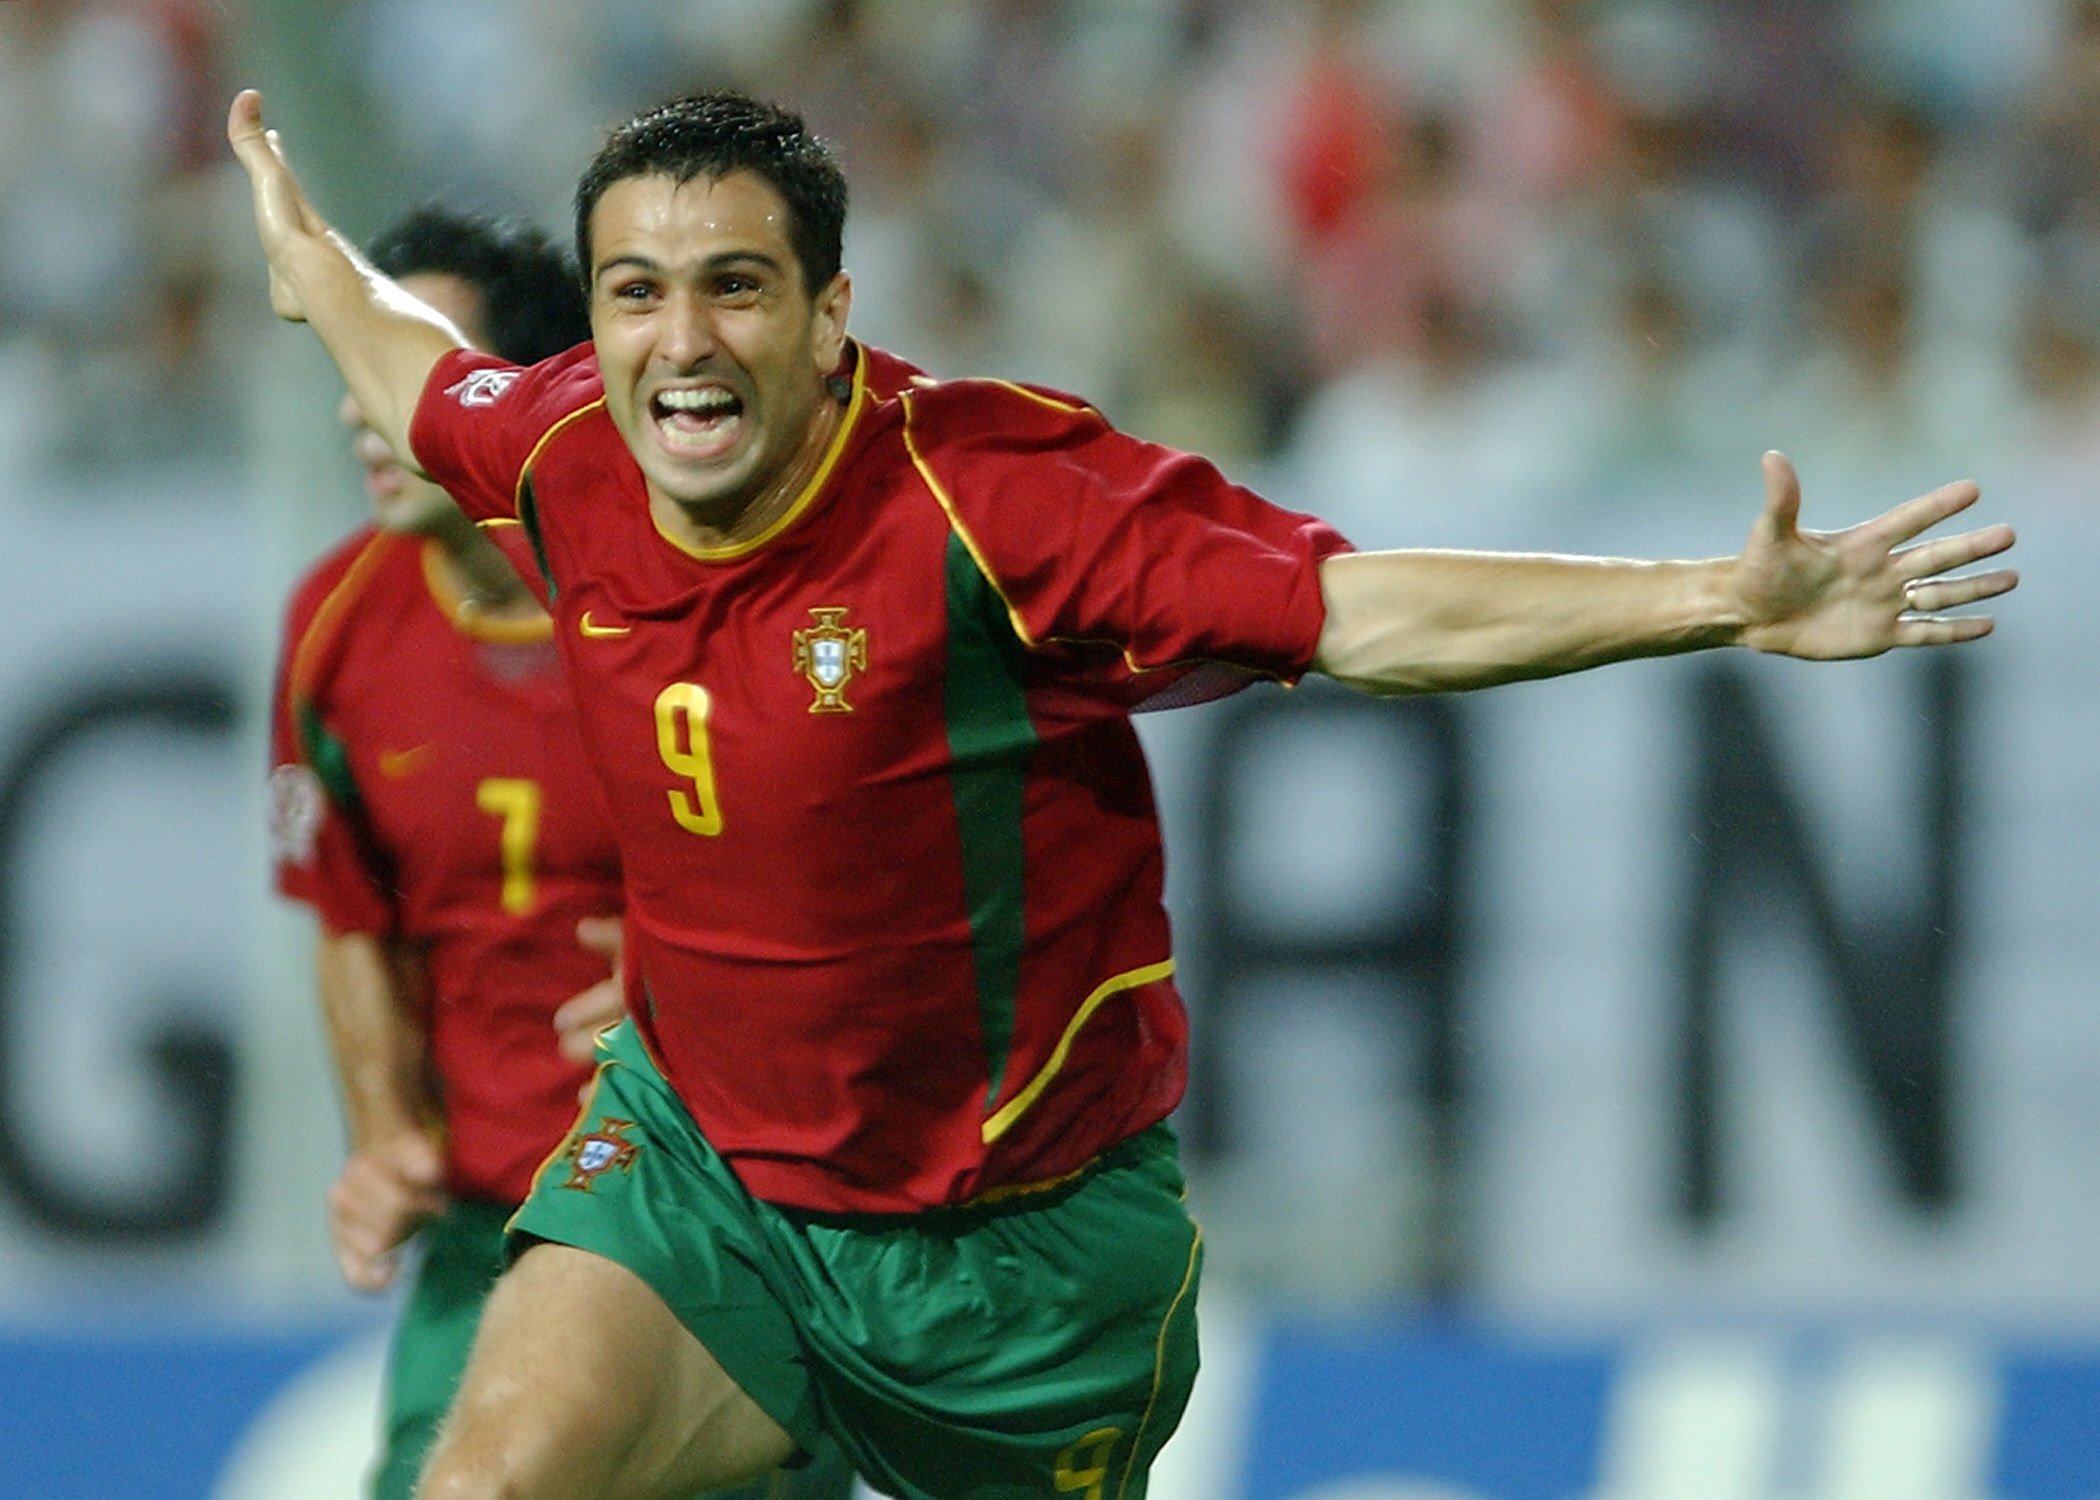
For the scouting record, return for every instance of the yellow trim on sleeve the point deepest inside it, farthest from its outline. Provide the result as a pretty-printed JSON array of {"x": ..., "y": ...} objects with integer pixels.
[
  {"x": 947, "y": 504},
  {"x": 517, "y": 492},
  {"x": 1014, "y": 1108},
  {"x": 1038, "y": 397},
  {"x": 984, "y": 565}
]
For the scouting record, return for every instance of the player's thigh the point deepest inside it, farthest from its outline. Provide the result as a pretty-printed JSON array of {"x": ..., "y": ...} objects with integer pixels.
[
  {"x": 462, "y": 1257},
  {"x": 584, "y": 1386}
]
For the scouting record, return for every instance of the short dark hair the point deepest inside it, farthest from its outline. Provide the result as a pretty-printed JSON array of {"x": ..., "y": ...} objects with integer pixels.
[
  {"x": 532, "y": 304},
  {"x": 713, "y": 135}
]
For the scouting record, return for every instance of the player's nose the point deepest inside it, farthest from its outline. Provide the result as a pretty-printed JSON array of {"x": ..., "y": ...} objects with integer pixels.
[{"x": 687, "y": 332}]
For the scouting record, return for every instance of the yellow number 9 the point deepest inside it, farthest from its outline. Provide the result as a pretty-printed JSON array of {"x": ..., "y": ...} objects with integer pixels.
[{"x": 681, "y": 739}]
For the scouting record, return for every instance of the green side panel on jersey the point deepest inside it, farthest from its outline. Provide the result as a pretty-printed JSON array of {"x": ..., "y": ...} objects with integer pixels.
[
  {"x": 327, "y": 755},
  {"x": 991, "y": 740},
  {"x": 529, "y": 518}
]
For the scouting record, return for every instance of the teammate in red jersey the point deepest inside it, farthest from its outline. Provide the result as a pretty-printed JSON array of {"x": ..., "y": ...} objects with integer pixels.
[
  {"x": 853, "y": 651},
  {"x": 433, "y": 805}
]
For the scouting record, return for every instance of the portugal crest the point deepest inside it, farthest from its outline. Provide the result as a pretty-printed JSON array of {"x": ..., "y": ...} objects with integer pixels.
[
  {"x": 604, "y": 1149},
  {"x": 828, "y": 654}
]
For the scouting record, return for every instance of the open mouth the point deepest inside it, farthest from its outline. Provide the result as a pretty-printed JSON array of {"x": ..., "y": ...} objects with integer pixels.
[{"x": 700, "y": 423}]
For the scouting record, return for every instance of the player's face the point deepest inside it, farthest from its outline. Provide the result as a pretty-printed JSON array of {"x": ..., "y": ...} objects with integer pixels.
[
  {"x": 403, "y": 500},
  {"x": 714, "y": 354}
]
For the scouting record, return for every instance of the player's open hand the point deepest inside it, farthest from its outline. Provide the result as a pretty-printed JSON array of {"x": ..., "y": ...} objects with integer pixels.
[
  {"x": 1861, "y": 591},
  {"x": 583, "y": 1015},
  {"x": 386, "y": 1191},
  {"x": 282, "y": 212}
]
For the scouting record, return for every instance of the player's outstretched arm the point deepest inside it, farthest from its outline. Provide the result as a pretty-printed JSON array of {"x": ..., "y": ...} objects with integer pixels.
[
  {"x": 1400, "y": 622},
  {"x": 383, "y": 340}
]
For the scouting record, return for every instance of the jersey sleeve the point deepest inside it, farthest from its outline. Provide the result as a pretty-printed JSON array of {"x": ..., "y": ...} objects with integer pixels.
[
  {"x": 1091, "y": 536},
  {"x": 480, "y": 420},
  {"x": 318, "y": 854}
]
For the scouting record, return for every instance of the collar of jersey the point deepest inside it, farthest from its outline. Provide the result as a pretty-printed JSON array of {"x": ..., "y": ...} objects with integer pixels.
[
  {"x": 730, "y": 550},
  {"x": 455, "y": 607}
]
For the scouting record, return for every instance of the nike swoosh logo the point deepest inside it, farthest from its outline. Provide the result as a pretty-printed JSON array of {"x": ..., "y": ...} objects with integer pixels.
[
  {"x": 595, "y": 631},
  {"x": 395, "y": 764}
]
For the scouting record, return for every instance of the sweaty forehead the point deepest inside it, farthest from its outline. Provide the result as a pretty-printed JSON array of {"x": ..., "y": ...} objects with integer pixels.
[{"x": 671, "y": 223}]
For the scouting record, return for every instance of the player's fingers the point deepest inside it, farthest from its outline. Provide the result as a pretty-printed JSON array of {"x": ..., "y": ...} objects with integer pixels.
[
  {"x": 1944, "y": 554},
  {"x": 1901, "y": 523},
  {"x": 244, "y": 117},
  {"x": 602, "y": 935},
  {"x": 1941, "y": 630},
  {"x": 600, "y": 1005},
  {"x": 419, "y": 1161},
  {"x": 1782, "y": 494},
  {"x": 253, "y": 146},
  {"x": 364, "y": 1258},
  {"x": 581, "y": 1017},
  {"x": 1930, "y": 594},
  {"x": 365, "y": 1273}
]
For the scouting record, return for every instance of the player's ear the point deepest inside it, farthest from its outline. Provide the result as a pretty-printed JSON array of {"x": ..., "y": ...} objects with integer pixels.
[{"x": 828, "y": 322}]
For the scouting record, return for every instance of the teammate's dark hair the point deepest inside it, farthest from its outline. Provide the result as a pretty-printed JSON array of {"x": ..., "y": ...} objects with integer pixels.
[
  {"x": 531, "y": 304},
  {"x": 712, "y": 135}
]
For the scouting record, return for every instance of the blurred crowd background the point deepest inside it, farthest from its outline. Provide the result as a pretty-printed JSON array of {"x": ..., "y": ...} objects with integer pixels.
[
  {"x": 1495, "y": 242},
  {"x": 1473, "y": 272}
]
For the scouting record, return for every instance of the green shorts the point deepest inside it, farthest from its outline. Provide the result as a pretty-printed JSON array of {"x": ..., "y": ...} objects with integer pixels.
[
  {"x": 461, "y": 1256},
  {"x": 1041, "y": 1345}
]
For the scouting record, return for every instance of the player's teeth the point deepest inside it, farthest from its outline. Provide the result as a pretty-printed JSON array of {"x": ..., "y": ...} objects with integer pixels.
[{"x": 695, "y": 401}]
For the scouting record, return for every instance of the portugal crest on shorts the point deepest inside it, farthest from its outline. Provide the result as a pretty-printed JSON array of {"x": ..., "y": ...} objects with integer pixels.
[
  {"x": 828, "y": 654},
  {"x": 602, "y": 1150}
]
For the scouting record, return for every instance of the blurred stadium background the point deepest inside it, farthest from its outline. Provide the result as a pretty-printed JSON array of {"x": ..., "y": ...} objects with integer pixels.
[{"x": 1677, "y": 1084}]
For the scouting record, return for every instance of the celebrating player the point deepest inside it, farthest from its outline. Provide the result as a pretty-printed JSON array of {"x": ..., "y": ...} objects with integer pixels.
[
  {"x": 433, "y": 805},
  {"x": 880, "y": 1153}
]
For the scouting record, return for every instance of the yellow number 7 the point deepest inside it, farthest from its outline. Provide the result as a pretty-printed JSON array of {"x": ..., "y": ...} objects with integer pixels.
[
  {"x": 681, "y": 739},
  {"x": 517, "y": 803}
]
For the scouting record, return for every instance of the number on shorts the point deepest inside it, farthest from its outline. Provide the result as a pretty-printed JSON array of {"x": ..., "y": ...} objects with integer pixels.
[{"x": 1083, "y": 1467}]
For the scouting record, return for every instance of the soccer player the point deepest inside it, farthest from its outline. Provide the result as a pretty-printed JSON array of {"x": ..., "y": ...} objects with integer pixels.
[
  {"x": 879, "y": 1152},
  {"x": 434, "y": 806}
]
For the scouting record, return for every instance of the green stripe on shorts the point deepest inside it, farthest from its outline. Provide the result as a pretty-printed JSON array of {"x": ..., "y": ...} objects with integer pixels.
[{"x": 1042, "y": 1345}]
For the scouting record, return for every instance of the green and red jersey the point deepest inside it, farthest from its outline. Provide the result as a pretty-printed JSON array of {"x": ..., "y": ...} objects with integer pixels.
[
  {"x": 894, "y": 872},
  {"x": 430, "y": 789}
]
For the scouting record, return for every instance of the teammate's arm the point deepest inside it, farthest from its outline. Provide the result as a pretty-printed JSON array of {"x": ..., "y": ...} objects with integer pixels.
[
  {"x": 1401, "y": 622},
  {"x": 392, "y": 1182},
  {"x": 383, "y": 340}
]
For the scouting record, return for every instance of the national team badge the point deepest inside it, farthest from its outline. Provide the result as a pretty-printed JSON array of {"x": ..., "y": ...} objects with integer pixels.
[
  {"x": 603, "y": 1150},
  {"x": 828, "y": 654},
  {"x": 482, "y": 387},
  {"x": 297, "y": 806}
]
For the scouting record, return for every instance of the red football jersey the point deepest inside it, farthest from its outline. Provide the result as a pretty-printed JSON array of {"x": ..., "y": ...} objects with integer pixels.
[
  {"x": 893, "y": 867},
  {"x": 430, "y": 787}
]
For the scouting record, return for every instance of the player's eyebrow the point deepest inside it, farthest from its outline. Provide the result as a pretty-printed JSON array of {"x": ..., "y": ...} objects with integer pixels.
[{"x": 713, "y": 265}]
